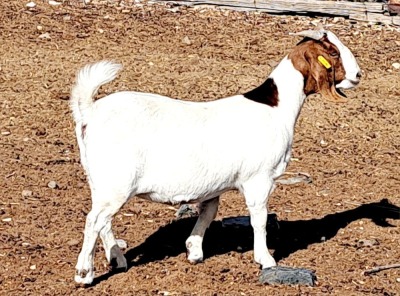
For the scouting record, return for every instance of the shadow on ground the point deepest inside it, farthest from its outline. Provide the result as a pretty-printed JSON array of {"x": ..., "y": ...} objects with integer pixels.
[{"x": 285, "y": 238}]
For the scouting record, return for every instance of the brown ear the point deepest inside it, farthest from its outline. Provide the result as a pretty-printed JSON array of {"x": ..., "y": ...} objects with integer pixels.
[{"x": 324, "y": 81}]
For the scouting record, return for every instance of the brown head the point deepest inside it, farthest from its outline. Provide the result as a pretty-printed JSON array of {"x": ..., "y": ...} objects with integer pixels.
[{"x": 320, "y": 63}]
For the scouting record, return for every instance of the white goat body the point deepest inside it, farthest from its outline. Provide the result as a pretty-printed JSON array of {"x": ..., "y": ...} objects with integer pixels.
[
  {"x": 177, "y": 151},
  {"x": 174, "y": 151}
]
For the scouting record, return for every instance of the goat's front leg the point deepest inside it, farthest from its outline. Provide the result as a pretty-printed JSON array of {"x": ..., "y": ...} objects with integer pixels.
[
  {"x": 194, "y": 244},
  {"x": 112, "y": 248},
  {"x": 256, "y": 192}
]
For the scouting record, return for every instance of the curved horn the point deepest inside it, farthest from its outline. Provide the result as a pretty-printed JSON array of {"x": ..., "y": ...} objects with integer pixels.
[
  {"x": 320, "y": 27},
  {"x": 317, "y": 35}
]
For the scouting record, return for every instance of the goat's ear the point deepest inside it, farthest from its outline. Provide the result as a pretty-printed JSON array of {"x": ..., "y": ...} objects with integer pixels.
[
  {"x": 326, "y": 85},
  {"x": 324, "y": 80}
]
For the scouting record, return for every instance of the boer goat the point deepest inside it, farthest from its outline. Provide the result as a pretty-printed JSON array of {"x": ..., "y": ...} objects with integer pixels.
[{"x": 172, "y": 151}]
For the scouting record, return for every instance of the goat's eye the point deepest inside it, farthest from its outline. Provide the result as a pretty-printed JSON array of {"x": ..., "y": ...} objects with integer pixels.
[{"x": 334, "y": 54}]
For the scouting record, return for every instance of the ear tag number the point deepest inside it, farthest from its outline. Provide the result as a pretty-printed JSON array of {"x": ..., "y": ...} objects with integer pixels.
[{"x": 324, "y": 62}]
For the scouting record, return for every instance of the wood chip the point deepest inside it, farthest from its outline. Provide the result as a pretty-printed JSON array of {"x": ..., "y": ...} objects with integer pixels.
[{"x": 26, "y": 193}]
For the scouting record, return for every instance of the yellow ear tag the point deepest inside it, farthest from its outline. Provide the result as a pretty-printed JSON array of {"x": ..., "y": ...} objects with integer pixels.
[{"x": 324, "y": 62}]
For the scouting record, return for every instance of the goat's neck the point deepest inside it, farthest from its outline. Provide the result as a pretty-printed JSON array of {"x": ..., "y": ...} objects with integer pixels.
[{"x": 290, "y": 84}]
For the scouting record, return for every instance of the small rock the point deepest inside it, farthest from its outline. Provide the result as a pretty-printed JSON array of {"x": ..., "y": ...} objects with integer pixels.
[
  {"x": 299, "y": 178},
  {"x": 32, "y": 267},
  {"x": 5, "y": 133},
  {"x": 39, "y": 28},
  {"x": 323, "y": 143},
  {"x": 398, "y": 280},
  {"x": 174, "y": 9},
  {"x": 73, "y": 242},
  {"x": 396, "y": 66},
  {"x": 186, "y": 40},
  {"x": 6, "y": 220},
  {"x": 26, "y": 193},
  {"x": 324, "y": 192},
  {"x": 31, "y": 5},
  {"x": 54, "y": 3},
  {"x": 336, "y": 20},
  {"x": 52, "y": 185},
  {"x": 45, "y": 36},
  {"x": 367, "y": 243},
  {"x": 287, "y": 276}
]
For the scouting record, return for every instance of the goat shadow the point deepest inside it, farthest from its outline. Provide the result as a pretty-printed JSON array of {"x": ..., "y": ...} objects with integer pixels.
[{"x": 285, "y": 237}]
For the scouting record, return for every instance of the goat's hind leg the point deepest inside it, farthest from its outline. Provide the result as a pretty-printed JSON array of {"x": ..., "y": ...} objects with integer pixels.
[
  {"x": 112, "y": 248},
  {"x": 208, "y": 210},
  {"x": 103, "y": 209},
  {"x": 84, "y": 267}
]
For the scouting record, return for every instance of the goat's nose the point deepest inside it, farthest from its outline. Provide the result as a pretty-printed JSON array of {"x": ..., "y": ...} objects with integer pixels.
[{"x": 359, "y": 75}]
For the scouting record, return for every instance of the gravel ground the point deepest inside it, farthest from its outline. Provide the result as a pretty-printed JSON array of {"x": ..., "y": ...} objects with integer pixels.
[{"x": 343, "y": 223}]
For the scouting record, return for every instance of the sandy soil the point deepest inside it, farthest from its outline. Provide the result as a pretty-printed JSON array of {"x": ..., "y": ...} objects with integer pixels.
[{"x": 343, "y": 223}]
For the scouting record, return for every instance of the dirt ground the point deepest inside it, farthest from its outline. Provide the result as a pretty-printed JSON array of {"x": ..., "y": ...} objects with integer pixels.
[{"x": 343, "y": 223}]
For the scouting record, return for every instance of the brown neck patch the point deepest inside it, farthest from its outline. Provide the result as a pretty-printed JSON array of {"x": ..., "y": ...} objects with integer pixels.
[{"x": 266, "y": 93}]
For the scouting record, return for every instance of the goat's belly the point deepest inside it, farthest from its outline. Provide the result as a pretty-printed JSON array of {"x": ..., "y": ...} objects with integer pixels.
[{"x": 191, "y": 196}]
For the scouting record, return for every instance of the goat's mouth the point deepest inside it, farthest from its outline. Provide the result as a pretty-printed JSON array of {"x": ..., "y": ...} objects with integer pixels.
[
  {"x": 348, "y": 83},
  {"x": 340, "y": 92}
]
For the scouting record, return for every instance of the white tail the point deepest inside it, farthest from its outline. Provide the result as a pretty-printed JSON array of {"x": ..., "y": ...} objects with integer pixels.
[{"x": 88, "y": 82}]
